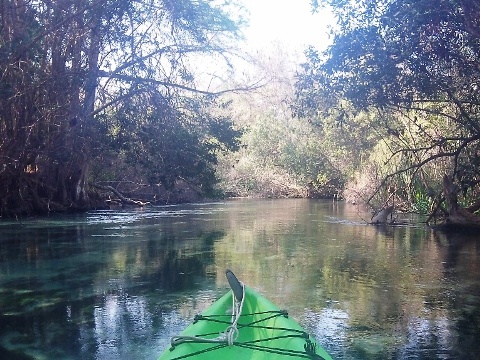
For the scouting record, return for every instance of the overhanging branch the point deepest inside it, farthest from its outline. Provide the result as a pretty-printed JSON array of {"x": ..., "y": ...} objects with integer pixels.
[
  {"x": 169, "y": 84},
  {"x": 451, "y": 154}
]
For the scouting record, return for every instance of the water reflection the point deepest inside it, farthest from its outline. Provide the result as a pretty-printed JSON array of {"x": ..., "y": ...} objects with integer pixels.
[
  {"x": 120, "y": 284},
  {"x": 83, "y": 287}
]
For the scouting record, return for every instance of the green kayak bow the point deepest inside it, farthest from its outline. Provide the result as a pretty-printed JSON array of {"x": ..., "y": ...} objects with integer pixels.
[{"x": 243, "y": 324}]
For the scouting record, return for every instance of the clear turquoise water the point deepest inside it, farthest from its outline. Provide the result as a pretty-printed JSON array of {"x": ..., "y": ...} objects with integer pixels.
[{"x": 119, "y": 284}]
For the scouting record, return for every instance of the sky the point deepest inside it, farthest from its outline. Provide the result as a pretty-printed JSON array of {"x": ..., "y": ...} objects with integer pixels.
[
  {"x": 273, "y": 24},
  {"x": 289, "y": 22}
]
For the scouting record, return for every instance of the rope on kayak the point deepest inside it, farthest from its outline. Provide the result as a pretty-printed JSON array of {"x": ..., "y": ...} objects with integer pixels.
[
  {"x": 232, "y": 331},
  {"x": 199, "y": 352},
  {"x": 223, "y": 341},
  {"x": 216, "y": 317},
  {"x": 253, "y": 324},
  {"x": 309, "y": 353},
  {"x": 228, "y": 336}
]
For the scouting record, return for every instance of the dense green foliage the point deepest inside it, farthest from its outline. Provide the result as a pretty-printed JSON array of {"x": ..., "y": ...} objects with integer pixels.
[
  {"x": 85, "y": 84},
  {"x": 414, "y": 64},
  {"x": 166, "y": 142},
  {"x": 280, "y": 156},
  {"x": 284, "y": 156}
]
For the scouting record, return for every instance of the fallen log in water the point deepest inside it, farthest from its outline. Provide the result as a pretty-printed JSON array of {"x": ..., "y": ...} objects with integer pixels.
[{"x": 124, "y": 200}]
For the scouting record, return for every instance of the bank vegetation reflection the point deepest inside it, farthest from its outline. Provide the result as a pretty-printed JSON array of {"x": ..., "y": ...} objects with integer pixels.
[{"x": 121, "y": 287}]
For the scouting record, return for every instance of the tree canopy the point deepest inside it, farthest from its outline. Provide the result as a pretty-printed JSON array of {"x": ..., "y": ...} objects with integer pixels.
[
  {"x": 413, "y": 60},
  {"x": 75, "y": 72}
]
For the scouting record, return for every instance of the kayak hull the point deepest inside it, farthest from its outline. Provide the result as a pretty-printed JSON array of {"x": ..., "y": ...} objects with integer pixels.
[{"x": 263, "y": 332}]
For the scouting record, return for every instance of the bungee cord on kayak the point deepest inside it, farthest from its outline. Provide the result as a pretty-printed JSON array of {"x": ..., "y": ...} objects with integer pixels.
[
  {"x": 222, "y": 341},
  {"x": 252, "y": 327},
  {"x": 231, "y": 332}
]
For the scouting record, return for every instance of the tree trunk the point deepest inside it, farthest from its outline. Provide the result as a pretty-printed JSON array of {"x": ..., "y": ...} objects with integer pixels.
[
  {"x": 381, "y": 217},
  {"x": 81, "y": 187},
  {"x": 456, "y": 214}
]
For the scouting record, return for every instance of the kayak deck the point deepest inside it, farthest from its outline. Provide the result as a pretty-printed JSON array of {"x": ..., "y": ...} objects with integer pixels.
[{"x": 260, "y": 331}]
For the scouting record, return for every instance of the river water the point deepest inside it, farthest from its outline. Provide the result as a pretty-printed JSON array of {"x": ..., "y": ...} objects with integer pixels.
[{"x": 119, "y": 284}]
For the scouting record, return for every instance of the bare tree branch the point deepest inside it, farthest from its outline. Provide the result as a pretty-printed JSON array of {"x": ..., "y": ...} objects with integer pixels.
[{"x": 167, "y": 84}]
